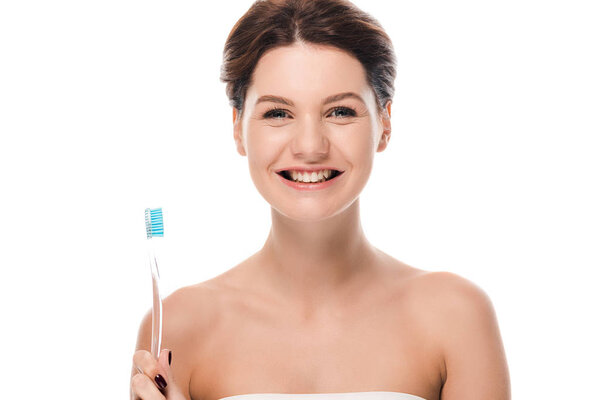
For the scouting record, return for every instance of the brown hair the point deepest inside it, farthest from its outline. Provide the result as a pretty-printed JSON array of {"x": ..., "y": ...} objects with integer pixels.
[{"x": 339, "y": 23}]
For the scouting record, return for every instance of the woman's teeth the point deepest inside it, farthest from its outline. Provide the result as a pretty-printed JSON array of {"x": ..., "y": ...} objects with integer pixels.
[{"x": 308, "y": 177}]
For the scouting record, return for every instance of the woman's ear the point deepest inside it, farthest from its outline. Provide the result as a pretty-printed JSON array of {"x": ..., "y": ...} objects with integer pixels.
[
  {"x": 237, "y": 132},
  {"x": 386, "y": 125}
]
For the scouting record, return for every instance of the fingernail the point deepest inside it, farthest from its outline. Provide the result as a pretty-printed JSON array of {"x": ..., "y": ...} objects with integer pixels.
[
  {"x": 170, "y": 357},
  {"x": 160, "y": 381}
]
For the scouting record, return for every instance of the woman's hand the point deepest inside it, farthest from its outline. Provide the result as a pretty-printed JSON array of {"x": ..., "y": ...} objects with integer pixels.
[{"x": 154, "y": 380}]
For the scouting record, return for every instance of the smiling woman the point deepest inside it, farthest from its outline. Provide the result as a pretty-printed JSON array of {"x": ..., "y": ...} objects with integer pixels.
[
  {"x": 319, "y": 119},
  {"x": 311, "y": 85}
]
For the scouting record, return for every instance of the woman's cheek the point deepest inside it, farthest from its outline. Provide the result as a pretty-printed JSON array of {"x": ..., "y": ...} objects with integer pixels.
[
  {"x": 357, "y": 140},
  {"x": 264, "y": 148}
]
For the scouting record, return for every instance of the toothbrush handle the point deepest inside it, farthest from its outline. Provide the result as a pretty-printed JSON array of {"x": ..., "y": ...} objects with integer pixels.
[{"x": 156, "y": 307}]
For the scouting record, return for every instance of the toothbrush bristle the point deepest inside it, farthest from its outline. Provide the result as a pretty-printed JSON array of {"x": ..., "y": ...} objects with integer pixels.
[{"x": 154, "y": 223}]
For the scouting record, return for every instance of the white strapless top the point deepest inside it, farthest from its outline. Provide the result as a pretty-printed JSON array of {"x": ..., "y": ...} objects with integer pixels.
[{"x": 326, "y": 396}]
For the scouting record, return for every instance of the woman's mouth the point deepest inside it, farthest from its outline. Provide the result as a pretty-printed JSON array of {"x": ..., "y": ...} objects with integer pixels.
[
  {"x": 319, "y": 176},
  {"x": 309, "y": 180}
]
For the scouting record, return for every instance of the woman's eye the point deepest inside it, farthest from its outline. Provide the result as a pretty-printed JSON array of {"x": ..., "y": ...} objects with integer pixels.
[
  {"x": 276, "y": 113},
  {"x": 341, "y": 112}
]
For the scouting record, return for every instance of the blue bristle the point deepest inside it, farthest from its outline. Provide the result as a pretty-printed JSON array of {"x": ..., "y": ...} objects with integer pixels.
[{"x": 154, "y": 223}]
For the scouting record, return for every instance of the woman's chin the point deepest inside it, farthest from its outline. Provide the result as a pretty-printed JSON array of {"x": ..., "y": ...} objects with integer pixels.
[
  {"x": 308, "y": 213},
  {"x": 302, "y": 217}
]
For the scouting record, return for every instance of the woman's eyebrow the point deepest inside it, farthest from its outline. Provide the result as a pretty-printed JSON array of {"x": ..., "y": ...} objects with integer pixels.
[
  {"x": 341, "y": 96},
  {"x": 274, "y": 99},
  {"x": 288, "y": 102}
]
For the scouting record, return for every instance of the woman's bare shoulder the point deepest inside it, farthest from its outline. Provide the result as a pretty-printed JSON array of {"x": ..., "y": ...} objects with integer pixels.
[
  {"x": 190, "y": 307},
  {"x": 436, "y": 297},
  {"x": 446, "y": 297},
  {"x": 448, "y": 287},
  {"x": 177, "y": 308},
  {"x": 461, "y": 317},
  {"x": 434, "y": 287}
]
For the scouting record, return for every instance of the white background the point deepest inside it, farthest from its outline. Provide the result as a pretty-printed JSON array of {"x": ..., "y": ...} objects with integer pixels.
[{"x": 109, "y": 107}]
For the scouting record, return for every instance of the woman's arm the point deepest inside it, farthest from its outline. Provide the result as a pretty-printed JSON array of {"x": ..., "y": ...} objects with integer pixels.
[{"x": 474, "y": 358}]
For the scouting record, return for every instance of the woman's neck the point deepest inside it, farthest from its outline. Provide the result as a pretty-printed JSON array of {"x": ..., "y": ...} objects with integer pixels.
[{"x": 313, "y": 264}]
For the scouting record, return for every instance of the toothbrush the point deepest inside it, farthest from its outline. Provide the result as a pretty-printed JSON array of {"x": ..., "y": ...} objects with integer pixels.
[{"x": 154, "y": 229}]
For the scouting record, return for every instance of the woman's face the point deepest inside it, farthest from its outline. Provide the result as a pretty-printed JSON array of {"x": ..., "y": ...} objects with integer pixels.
[{"x": 309, "y": 112}]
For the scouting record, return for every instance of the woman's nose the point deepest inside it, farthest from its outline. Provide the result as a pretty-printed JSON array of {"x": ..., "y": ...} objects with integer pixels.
[{"x": 310, "y": 139}]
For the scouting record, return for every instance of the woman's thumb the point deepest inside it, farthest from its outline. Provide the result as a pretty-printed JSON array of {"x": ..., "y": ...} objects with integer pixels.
[
  {"x": 171, "y": 391},
  {"x": 165, "y": 358}
]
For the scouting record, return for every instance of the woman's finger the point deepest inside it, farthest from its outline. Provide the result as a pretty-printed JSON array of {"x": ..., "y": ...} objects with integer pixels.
[
  {"x": 164, "y": 365},
  {"x": 144, "y": 389},
  {"x": 149, "y": 366}
]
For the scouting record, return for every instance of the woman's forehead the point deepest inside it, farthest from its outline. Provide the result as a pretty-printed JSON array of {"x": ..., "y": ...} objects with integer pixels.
[{"x": 306, "y": 70}]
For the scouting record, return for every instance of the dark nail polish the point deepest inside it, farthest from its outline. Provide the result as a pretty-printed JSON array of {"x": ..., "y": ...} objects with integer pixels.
[
  {"x": 160, "y": 381},
  {"x": 170, "y": 357}
]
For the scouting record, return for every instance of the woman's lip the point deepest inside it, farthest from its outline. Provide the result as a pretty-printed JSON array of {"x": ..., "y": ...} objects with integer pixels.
[{"x": 310, "y": 186}]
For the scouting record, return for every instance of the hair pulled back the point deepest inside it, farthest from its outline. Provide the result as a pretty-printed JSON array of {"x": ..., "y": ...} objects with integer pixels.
[{"x": 273, "y": 23}]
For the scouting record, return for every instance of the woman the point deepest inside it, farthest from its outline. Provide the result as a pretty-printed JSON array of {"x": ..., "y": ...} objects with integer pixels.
[{"x": 319, "y": 309}]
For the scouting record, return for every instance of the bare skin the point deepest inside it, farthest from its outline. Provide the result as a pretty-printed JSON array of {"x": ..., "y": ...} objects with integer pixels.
[{"x": 319, "y": 309}]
